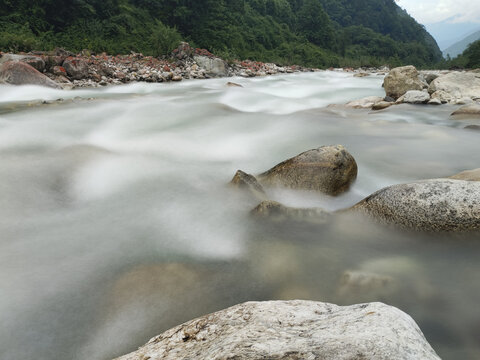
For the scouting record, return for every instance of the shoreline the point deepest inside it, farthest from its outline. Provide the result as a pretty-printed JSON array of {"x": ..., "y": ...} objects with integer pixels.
[{"x": 84, "y": 70}]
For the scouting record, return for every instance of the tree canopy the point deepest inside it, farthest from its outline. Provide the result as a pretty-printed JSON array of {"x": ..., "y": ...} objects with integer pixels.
[{"x": 307, "y": 32}]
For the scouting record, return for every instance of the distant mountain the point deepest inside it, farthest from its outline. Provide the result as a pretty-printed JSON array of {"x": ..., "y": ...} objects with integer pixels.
[
  {"x": 460, "y": 46},
  {"x": 448, "y": 32}
]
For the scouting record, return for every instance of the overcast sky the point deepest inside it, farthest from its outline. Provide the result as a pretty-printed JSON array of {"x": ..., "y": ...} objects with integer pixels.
[{"x": 432, "y": 11}]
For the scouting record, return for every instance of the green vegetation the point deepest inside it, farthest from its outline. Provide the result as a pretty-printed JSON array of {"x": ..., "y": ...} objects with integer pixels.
[
  {"x": 469, "y": 59},
  {"x": 317, "y": 33}
]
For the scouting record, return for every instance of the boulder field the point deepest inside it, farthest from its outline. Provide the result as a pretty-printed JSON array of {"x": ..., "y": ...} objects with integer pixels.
[
  {"x": 407, "y": 85},
  {"x": 70, "y": 70},
  {"x": 293, "y": 330}
]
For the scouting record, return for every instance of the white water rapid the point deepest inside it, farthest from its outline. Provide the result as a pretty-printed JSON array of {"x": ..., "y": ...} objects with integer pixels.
[{"x": 116, "y": 222}]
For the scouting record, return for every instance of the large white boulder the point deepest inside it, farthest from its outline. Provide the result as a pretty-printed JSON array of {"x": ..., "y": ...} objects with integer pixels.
[{"x": 293, "y": 330}]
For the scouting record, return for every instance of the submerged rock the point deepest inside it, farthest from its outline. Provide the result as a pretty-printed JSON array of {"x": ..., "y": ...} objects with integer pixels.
[
  {"x": 276, "y": 212},
  {"x": 382, "y": 105},
  {"x": 249, "y": 183},
  {"x": 468, "y": 175},
  {"x": 365, "y": 103},
  {"x": 328, "y": 169},
  {"x": 20, "y": 73},
  {"x": 430, "y": 205},
  {"x": 402, "y": 79},
  {"x": 471, "y": 109},
  {"x": 293, "y": 330}
]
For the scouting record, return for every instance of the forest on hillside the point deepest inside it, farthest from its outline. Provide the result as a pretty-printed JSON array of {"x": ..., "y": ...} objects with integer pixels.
[{"x": 318, "y": 33}]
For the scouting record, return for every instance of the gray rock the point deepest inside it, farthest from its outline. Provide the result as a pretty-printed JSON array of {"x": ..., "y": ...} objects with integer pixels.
[
  {"x": 76, "y": 68},
  {"x": 436, "y": 205},
  {"x": 416, "y": 97},
  {"x": 458, "y": 85},
  {"x": 443, "y": 96},
  {"x": 213, "y": 66},
  {"x": 232, "y": 84},
  {"x": 400, "y": 80},
  {"x": 328, "y": 169},
  {"x": 429, "y": 77},
  {"x": 471, "y": 109},
  {"x": 276, "y": 212},
  {"x": 468, "y": 175},
  {"x": 365, "y": 103},
  {"x": 472, "y": 127},
  {"x": 249, "y": 183},
  {"x": 20, "y": 73},
  {"x": 291, "y": 330},
  {"x": 34, "y": 61}
]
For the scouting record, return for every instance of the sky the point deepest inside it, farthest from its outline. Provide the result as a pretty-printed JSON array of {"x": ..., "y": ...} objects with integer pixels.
[
  {"x": 447, "y": 20},
  {"x": 433, "y": 11}
]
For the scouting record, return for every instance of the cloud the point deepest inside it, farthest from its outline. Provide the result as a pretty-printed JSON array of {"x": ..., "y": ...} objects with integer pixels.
[{"x": 432, "y": 11}]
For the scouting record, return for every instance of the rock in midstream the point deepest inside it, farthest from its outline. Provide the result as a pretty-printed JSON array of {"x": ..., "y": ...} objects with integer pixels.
[
  {"x": 436, "y": 205},
  {"x": 249, "y": 183},
  {"x": 328, "y": 169},
  {"x": 276, "y": 212},
  {"x": 402, "y": 79},
  {"x": 291, "y": 330}
]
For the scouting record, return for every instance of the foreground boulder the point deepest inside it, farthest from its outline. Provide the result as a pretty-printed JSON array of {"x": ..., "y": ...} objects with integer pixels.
[
  {"x": 402, "y": 79},
  {"x": 457, "y": 85},
  {"x": 276, "y": 212},
  {"x": 20, "y": 73},
  {"x": 328, "y": 169},
  {"x": 430, "y": 205},
  {"x": 293, "y": 330}
]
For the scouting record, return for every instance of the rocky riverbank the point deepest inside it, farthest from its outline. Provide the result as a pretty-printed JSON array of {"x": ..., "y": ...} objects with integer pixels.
[
  {"x": 407, "y": 85},
  {"x": 63, "y": 69}
]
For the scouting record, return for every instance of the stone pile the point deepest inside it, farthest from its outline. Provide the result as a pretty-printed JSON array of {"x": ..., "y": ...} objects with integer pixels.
[{"x": 70, "y": 70}]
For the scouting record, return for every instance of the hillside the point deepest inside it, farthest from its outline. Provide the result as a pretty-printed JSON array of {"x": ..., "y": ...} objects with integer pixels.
[
  {"x": 460, "y": 46},
  {"x": 309, "y": 32}
]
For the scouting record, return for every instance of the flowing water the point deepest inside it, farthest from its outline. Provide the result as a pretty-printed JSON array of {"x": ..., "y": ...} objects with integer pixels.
[{"x": 116, "y": 222}]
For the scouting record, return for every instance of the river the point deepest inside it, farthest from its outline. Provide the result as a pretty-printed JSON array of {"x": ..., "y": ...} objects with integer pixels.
[{"x": 116, "y": 221}]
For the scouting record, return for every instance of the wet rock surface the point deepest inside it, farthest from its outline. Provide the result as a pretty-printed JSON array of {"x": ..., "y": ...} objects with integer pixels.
[
  {"x": 293, "y": 330},
  {"x": 328, "y": 169},
  {"x": 436, "y": 205},
  {"x": 249, "y": 183},
  {"x": 277, "y": 212}
]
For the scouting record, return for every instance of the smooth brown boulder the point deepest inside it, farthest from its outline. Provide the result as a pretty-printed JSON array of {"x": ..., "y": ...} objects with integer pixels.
[
  {"x": 20, "y": 73},
  {"x": 328, "y": 169},
  {"x": 402, "y": 79}
]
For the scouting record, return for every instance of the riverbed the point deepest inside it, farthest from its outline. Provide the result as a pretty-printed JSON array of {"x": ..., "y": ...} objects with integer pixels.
[{"x": 117, "y": 223}]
